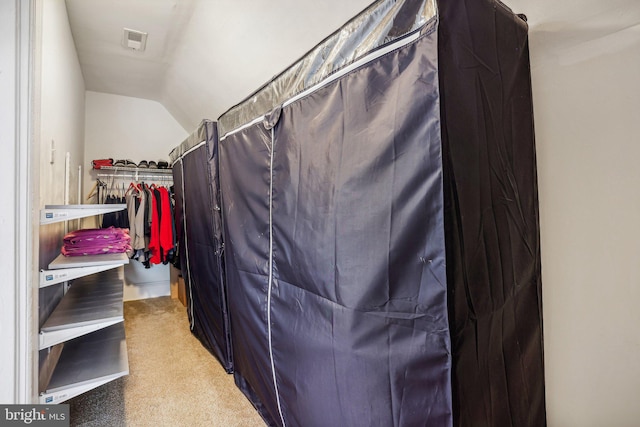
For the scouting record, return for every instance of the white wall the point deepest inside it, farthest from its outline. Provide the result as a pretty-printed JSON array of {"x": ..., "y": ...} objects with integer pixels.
[
  {"x": 8, "y": 133},
  {"x": 17, "y": 318},
  {"x": 122, "y": 127},
  {"x": 62, "y": 117},
  {"x": 587, "y": 118},
  {"x": 46, "y": 105},
  {"x": 59, "y": 117},
  {"x": 130, "y": 128}
]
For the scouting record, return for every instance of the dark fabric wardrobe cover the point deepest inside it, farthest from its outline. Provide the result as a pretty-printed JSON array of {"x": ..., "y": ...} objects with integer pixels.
[
  {"x": 199, "y": 231},
  {"x": 491, "y": 215},
  {"x": 381, "y": 227}
]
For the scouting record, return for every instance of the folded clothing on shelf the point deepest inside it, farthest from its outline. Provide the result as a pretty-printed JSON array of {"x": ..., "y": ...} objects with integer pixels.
[
  {"x": 125, "y": 163},
  {"x": 96, "y": 241},
  {"x": 143, "y": 164},
  {"x": 98, "y": 163}
]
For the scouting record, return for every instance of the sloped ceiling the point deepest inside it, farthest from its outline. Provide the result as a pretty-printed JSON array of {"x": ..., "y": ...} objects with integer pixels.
[{"x": 204, "y": 56}]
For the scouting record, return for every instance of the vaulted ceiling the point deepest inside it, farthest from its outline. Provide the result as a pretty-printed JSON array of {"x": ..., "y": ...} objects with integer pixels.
[{"x": 204, "y": 56}]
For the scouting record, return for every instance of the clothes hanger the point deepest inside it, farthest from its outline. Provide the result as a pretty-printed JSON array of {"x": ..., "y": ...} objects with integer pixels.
[
  {"x": 132, "y": 186},
  {"x": 110, "y": 187},
  {"x": 94, "y": 190}
]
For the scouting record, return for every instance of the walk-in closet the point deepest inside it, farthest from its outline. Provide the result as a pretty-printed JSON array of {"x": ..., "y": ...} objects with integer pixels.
[{"x": 364, "y": 213}]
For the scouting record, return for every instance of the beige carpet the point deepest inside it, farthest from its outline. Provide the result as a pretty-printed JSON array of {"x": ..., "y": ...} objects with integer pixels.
[{"x": 172, "y": 381}]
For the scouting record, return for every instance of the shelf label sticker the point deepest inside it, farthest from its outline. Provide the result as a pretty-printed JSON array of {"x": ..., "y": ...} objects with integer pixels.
[{"x": 50, "y": 277}]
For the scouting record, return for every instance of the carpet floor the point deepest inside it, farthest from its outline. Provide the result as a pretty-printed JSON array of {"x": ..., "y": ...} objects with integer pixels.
[{"x": 173, "y": 380}]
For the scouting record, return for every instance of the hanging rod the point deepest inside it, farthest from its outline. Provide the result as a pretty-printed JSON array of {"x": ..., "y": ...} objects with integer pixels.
[{"x": 155, "y": 171}]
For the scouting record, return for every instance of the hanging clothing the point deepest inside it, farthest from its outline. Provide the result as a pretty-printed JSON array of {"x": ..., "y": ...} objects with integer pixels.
[
  {"x": 167, "y": 239},
  {"x": 154, "y": 244},
  {"x": 137, "y": 207},
  {"x": 149, "y": 220}
]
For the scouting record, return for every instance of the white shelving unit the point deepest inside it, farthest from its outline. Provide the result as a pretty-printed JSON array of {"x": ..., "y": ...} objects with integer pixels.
[{"x": 88, "y": 321}]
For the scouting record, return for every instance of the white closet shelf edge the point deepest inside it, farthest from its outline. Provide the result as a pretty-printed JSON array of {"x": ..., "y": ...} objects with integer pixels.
[
  {"x": 58, "y": 213},
  {"x": 64, "y": 268}
]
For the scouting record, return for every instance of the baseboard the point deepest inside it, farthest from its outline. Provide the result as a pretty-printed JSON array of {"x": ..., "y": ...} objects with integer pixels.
[{"x": 133, "y": 291}]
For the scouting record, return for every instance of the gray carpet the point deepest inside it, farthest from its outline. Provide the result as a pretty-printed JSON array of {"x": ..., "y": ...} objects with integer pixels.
[{"x": 172, "y": 381}]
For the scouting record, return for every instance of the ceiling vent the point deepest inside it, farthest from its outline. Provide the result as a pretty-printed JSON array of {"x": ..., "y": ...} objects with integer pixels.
[{"x": 136, "y": 40}]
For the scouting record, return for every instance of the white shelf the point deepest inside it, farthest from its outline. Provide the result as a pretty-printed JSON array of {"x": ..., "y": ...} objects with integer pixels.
[
  {"x": 156, "y": 171},
  {"x": 92, "y": 303},
  {"x": 57, "y": 213},
  {"x": 62, "y": 261},
  {"x": 65, "y": 268},
  {"x": 88, "y": 362}
]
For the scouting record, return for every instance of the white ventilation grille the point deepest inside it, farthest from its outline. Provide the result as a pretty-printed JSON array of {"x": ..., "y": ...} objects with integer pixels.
[{"x": 136, "y": 40}]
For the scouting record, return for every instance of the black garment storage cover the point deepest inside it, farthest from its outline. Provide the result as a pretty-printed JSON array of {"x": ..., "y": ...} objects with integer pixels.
[
  {"x": 334, "y": 234},
  {"x": 381, "y": 227},
  {"x": 199, "y": 231},
  {"x": 491, "y": 215}
]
